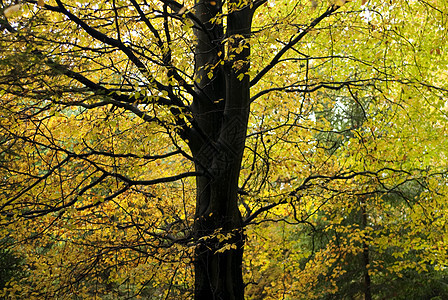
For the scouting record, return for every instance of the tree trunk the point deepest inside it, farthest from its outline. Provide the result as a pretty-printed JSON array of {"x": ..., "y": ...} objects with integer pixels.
[
  {"x": 365, "y": 256},
  {"x": 221, "y": 110}
]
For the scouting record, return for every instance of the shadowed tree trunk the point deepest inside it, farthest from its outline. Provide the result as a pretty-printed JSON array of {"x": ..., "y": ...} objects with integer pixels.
[
  {"x": 365, "y": 255},
  {"x": 221, "y": 109}
]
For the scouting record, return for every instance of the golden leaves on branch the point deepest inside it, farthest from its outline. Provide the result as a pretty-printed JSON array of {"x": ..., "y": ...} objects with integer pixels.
[{"x": 340, "y": 3}]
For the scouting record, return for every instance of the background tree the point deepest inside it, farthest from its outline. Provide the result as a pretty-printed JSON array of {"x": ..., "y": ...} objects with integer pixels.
[{"x": 157, "y": 138}]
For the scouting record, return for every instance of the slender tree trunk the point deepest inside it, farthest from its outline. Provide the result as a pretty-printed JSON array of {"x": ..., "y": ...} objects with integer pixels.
[
  {"x": 365, "y": 256},
  {"x": 221, "y": 110}
]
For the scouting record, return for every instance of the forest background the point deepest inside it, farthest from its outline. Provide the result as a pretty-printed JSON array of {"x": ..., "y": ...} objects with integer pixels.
[{"x": 229, "y": 149}]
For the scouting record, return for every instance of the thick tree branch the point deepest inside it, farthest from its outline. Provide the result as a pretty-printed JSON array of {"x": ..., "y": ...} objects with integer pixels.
[
  {"x": 291, "y": 44},
  {"x": 306, "y": 185}
]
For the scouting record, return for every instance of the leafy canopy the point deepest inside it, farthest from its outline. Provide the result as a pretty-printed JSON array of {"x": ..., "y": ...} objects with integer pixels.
[{"x": 343, "y": 179}]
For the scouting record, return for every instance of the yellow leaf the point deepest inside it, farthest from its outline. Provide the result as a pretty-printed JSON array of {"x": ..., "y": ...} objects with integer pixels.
[
  {"x": 11, "y": 10},
  {"x": 182, "y": 10},
  {"x": 339, "y": 2}
]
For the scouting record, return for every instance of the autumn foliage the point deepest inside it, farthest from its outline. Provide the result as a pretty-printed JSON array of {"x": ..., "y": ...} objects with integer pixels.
[{"x": 252, "y": 149}]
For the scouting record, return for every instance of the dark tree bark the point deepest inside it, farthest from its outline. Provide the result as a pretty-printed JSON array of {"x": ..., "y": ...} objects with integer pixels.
[
  {"x": 221, "y": 109},
  {"x": 366, "y": 256}
]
